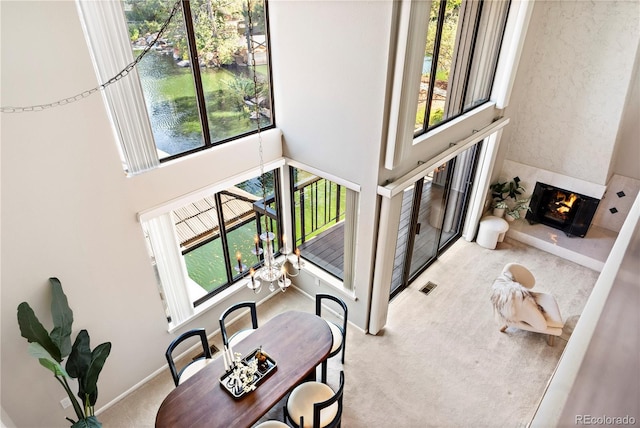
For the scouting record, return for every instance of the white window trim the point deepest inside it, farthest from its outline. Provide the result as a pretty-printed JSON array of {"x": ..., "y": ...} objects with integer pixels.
[
  {"x": 188, "y": 198},
  {"x": 347, "y": 285},
  {"x": 342, "y": 182},
  {"x": 411, "y": 20},
  {"x": 401, "y": 184},
  {"x": 323, "y": 278},
  {"x": 512, "y": 45},
  {"x": 166, "y": 250},
  {"x": 454, "y": 123}
]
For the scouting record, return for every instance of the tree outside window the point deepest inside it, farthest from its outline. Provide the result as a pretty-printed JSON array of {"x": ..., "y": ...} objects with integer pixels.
[
  {"x": 198, "y": 81},
  {"x": 461, "y": 53}
]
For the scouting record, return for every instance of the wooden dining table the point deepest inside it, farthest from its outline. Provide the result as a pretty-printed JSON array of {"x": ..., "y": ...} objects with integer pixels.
[{"x": 297, "y": 341}]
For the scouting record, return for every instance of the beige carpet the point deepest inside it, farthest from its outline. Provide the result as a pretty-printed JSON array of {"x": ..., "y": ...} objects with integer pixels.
[{"x": 441, "y": 360}]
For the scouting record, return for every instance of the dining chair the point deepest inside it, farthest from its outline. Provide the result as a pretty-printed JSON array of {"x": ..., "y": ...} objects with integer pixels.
[
  {"x": 240, "y": 334},
  {"x": 315, "y": 405},
  {"x": 193, "y": 366},
  {"x": 339, "y": 332}
]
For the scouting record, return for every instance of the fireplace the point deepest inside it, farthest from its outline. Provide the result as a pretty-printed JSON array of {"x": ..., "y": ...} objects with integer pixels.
[{"x": 561, "y": 209}]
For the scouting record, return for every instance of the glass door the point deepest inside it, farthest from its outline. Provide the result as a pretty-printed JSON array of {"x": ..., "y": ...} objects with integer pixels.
[{"x": 432, "y": 217}]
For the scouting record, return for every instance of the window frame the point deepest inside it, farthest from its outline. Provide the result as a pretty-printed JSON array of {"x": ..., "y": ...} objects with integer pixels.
[
  {"x": 199, "y": 90},
  {"x": 224, "y": 232},
  {"x": 469, "y": 53},
  {"x": 352, "y": 205},
  {"x": 105, "y": 27},
  {"x": 410, "y": 21},
  {"x": 178, "y": 305}
]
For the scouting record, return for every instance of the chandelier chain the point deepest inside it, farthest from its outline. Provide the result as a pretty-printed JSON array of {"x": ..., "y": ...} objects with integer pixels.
[
  {"x": 257, "y": 106},
  {"x": 125, "y": 71}
]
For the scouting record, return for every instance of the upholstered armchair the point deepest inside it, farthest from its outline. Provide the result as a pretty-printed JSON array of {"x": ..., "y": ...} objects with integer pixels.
[{"x": 515, "y": 305}]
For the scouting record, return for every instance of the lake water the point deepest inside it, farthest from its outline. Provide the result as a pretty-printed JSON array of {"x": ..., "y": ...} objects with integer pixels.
[{"x": 173, "y": 112}]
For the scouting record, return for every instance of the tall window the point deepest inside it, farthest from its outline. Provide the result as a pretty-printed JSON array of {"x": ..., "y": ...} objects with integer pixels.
[
  {"x": 324, "y": 215},
  {"x": 202, "y": 247},
  {"x": 197, "y": 82},
  {"x": 460, "y": 57}
]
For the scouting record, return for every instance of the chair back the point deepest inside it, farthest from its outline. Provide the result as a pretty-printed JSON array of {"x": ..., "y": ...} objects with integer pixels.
[
  {"x": 318, "y": 407},
  {"x": 226, "y": 337},
  {"x": 520, "y": 274},
  {"x": 341, "y": 306},
  {"x": 202, "y": 334}
]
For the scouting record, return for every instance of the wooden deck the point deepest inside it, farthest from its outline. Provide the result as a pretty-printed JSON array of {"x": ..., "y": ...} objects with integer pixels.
[{"x": 327, "y": 250}]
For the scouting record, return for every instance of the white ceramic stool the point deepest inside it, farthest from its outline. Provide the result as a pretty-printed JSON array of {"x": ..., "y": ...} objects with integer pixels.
[{"x": 491, "y": 231}]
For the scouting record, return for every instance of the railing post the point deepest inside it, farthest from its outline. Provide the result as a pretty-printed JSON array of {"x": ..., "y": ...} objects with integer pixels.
[{"x": 302, "y": 222}]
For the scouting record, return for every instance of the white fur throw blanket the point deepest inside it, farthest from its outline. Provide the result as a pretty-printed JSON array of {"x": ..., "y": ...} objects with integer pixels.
[{"x": 508, "y": 296}]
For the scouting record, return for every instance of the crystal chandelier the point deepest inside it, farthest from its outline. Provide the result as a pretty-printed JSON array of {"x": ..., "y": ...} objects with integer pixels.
[{"x": 272, "y": 271}]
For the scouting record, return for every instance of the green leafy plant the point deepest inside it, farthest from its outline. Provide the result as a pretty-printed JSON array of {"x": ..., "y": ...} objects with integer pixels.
[
  {"x": 500, "y": 205},
  {"x": 51, "y": 348},
  {"x": 522, "y": 205},
  {"x": 511, "y": 189},
  {"x": 513, "y": 213},
  {"x": 520, "y": 209}
]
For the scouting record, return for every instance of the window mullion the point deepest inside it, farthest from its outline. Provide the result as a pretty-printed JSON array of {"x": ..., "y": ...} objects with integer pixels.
[
  {"x": 223, "y": 238},
  {"x": 195, "y": 69},
  {"x": 472, "y": 50},
  {"x": 434, "y": 63},
  {"x": 469, "y": 18}
]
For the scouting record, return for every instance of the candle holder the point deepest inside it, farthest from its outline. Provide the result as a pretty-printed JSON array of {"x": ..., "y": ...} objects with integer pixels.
[
  {"x": 271, "y": 271},
  {"x": 284, "y": 283},
  {"x": 243, "y": 375}
]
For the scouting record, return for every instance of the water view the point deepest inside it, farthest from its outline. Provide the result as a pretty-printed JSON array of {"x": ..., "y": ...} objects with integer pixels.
[{"x": 171, "y": 102}]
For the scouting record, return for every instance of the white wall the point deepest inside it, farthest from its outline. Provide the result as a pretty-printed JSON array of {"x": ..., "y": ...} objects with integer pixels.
[
  {"x": 627, "y": 153},
  {"x": 571, "y": 88},
  {"x": 69, "y": 211},
  {"x": 329, "y": 78}
]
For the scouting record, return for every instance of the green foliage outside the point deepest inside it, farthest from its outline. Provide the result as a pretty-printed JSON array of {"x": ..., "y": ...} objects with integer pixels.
[
  {"x": 218, "y": 27},
  {"x": 320, "y": 203},
  {"x": 448, "y": 37},
  {"x": 436, "y": 116},
  {"x": 213, "y": 21},
  {"x": 445, "y": 53},
  {"x": 206, "y": 265}
]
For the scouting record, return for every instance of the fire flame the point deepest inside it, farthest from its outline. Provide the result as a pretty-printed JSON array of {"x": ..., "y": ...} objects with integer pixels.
[{"x": 566, "y": 204}]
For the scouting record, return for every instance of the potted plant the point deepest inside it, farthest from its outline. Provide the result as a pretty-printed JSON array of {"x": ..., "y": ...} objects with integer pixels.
[
  {"x": 518, "y": 211},
  {"x": 522, "y": 205},
  {"x": 511, "y": 189},
  {"x": 499, "y": 208},
  {"x": 50, "y": 349},
  {"x": 512, "y": 214},
  {"x": 500, "y": 192}
]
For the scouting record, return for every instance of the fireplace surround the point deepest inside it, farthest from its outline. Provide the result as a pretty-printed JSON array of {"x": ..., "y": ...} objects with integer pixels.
[{"x": 561, "y": 209}]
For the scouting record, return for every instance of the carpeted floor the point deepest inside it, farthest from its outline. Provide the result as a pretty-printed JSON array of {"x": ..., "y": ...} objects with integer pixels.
[{"x": 440, "y": 361}]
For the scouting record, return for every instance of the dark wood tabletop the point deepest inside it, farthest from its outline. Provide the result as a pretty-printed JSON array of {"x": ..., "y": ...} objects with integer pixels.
[{"x": 297, "y": 341}]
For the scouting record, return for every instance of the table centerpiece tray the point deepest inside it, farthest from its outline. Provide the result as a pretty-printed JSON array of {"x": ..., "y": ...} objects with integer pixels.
[{"x": 265, "y": 365}]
